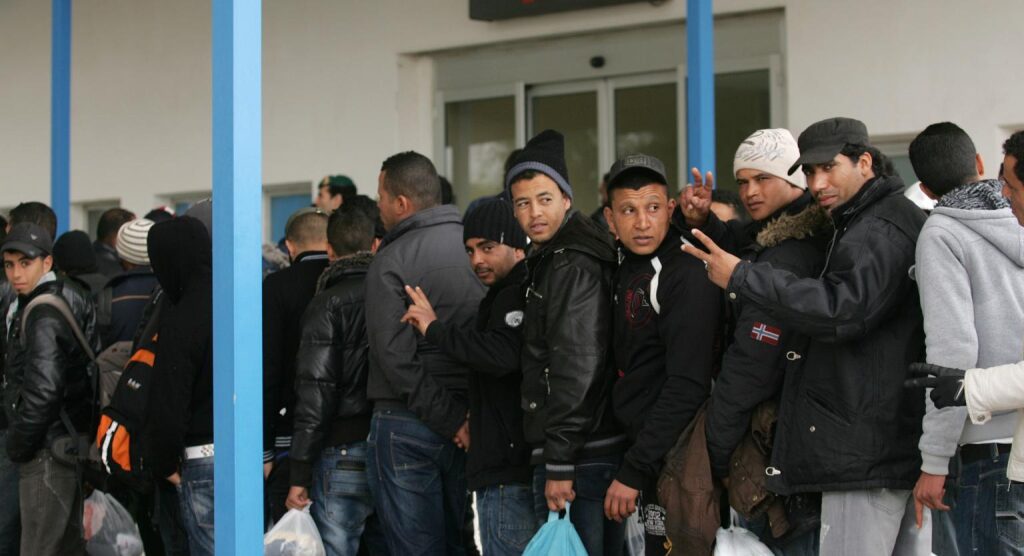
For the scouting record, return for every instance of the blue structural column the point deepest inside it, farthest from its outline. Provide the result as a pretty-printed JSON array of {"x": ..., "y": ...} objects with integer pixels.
[
  {"x": 237, "y": 329},
  {"x": 700, "y": 85},
  {"x": 60, "y": 113}
]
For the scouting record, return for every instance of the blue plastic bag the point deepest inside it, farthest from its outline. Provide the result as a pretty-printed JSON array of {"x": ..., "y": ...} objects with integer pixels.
[{"x": 556, "y": 538}]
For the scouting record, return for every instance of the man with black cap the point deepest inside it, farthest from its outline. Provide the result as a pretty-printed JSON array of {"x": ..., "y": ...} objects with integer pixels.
[
  {"x": 46, "y": 392},
  {"x": 846, "y": 426},
  {"x": 567, "y": 374},
  {"x": 663, "y": 304},
  {"x": 498, "y": 461}
]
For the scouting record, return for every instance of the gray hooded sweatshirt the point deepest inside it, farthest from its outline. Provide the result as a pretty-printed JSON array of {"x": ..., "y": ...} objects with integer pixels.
[{"x": 970, "y": 275}]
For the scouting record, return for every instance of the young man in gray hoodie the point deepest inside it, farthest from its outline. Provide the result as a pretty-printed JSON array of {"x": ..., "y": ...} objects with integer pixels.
[{"x": 970, "y": 275}]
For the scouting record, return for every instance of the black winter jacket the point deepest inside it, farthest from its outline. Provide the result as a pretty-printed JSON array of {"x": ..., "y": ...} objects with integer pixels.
[
  {"x": 407, "y": 371},
  {"x": 7, "y": 296},
  {"x": 666, "y": 319},
  {"x": 846, "y": 422},
  {"x": 286, "y": 293},
  {"x": 498, "y": 453},
  {"x": 792, "y": 239},
  {"x": 182, "y": 415},
  {"x": 331, "y": 407},
  {"x": 122, "y": 302},
  {"x": 567, "y": 370},
  {"x": 47, "y": 370}
]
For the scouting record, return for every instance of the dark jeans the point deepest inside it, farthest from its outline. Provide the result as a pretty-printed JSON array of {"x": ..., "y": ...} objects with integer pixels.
[
  {"x": 418, "y": 483},
  {"x": 507, "y": 521},
  {"x": 10, "y": 512},
  {"x": 168, "y": 520},
  {"x": 51, "y": 507},
  {"x": 342, "y": 506},
  {"x": 987, "y": 515},
  {"x": 593, "y": 477},
  {"x": 195, "y": 494}
]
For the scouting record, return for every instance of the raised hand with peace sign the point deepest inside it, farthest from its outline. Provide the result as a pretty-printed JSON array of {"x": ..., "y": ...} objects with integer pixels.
[
  {"x": 420, "y": 313},
  {"x": 695, "y": 199},
  {"x": 719, "y": 263}
]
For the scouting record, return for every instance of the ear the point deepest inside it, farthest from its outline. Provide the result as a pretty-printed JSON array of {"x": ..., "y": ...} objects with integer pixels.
[
  {"x": 404, "y": 205},
  {"x": 864, "y": 163},
  {"x": 567, "y": 200},
  {"x": 292, "y": 249},
  {"x": 610, "y": 221},
  {"x": 928, "y": 192},
  {"x": 979, "y": 164},
  {"x": 47, "y": 263},
  {"x": 519, "y": 254},
  {"x": 671, "y": 205},
  {"x": 331, "y": 255},
  {"x": 375, "y": 245}
]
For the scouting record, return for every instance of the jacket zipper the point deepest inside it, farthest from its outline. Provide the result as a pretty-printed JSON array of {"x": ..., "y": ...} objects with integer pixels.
[
  {"x": 831, "y": 247},
  {"x": 547, "y": 380}
]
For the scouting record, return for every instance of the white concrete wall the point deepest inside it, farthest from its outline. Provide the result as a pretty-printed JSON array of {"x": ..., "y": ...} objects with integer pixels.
[{"x": 346, "y": 83}]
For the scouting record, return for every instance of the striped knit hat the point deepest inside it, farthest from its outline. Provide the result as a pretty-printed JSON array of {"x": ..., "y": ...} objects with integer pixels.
[{"x": 131, "y": 241}]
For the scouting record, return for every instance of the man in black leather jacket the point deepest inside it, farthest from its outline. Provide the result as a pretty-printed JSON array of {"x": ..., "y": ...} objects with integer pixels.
[
  {"x": 567, "y": 373},
  {"x": 46, "y": 375},
  {"x": 846, "y": 426},
  {"x": 331, "y": 417}
]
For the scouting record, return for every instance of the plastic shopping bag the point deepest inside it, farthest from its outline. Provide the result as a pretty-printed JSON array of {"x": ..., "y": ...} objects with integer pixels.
[
  {"x": 294, "y": 535},
  {"x": 556, "y": 538},
  {"x": 109, "y": 528},
  {"x": 635, "y": 542},
  {"x": 737, "y": 541}
]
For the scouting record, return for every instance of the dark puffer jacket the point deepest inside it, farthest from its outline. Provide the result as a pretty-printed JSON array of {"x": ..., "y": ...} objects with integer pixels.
[
  {"x": 792, "y": 239},
  {"x": 331, "y": 407},
  {"x": 846, "y": 422},
  {"x": 47, "y": 370},
  {"x": 567, "y": 372}
]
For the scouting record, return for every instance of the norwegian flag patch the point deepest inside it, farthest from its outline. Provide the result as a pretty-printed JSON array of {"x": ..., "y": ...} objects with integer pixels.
[{"x": 764, "y": 333}]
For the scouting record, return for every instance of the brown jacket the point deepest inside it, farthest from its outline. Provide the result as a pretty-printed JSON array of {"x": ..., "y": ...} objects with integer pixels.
[{"x": 689, "y": 494}]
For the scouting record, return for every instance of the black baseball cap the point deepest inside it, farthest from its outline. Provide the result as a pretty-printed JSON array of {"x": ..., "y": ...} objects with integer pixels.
[
  {"x": 823, "y": 140},
  {"x": 637, "y": 161},
  {"x": 31, "y": 240}
]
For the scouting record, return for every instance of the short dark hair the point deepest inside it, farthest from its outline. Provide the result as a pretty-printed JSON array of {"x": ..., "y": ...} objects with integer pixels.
[
  {"x": 412, "y": 175},
  {"x": 3, "y": 227},
  {"x": 346, "y": 191},
  {"x": 732, "y": 199},
  {"x": 305, "y": 227},
  {"x": 880, "y": 164},
  {"x": 943, "y": 157},
  {"x": 35, "y": 213},
  {"x": 634, "y": 179},
  {"x": 447, "y": 193},
  {"x": 158, "y": 215},
  {"x": 1014, "y": 146},
  {"x": 111, "y": 221},
  {"x": 350, "y": 229}
]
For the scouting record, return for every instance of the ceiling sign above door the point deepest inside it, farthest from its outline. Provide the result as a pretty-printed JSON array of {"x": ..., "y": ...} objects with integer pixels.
[{"x": 492, "y": 10}]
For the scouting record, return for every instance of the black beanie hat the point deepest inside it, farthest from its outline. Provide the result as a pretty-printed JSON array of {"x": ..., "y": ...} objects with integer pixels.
[
  {"x": 492, "y": 219},
  {"x": 545, "y": 153},
  {"x": 73, "y": 254}
]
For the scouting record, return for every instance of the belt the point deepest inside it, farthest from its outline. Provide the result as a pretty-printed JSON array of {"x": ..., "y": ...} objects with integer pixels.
[
  {"x": 199, "y": 452},
  {"x": 970, "y": 453}
]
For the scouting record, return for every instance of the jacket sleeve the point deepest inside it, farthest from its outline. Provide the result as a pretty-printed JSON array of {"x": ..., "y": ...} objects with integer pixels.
[
  {"x": 494, "y": 351},
  {"x": 729, "y": 235},
  {"x": 319, "y": 362},
  {"x": 273, "y": 365},
  {"x": 579, "y": 328},
  {"x": 47, "y": 341},
  {"x": 866, "y": 279},
  {"x": 951, "y": 338},
  {"x": 688, "y": 323},
  {"x": 751, "y": 373},
  {"x": 994, "y": 389},
  {"x": 393, "y": 347}
]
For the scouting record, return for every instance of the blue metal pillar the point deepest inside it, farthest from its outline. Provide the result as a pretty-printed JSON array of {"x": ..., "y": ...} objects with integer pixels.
[
  {"x": 237, "y": 329},
  {"x": 60, "y": 113},
  {"x": 700, "y": 85}
]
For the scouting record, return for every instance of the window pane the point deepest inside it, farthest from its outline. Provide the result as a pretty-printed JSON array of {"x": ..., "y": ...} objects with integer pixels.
[
  {"x": 901, "y": 162},
  {"x": 575, "y": 116},
  {"x": 742, "y": 106},
  {"x": 281, "y": 207},
  {"x": 479, "y": 135},
  {"x": 646, "y": 122}
]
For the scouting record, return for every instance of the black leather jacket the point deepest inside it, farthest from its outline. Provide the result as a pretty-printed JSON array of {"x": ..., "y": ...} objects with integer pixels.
[
  {"x": 567, "y": 373},
  {"x": 47, "y": 370},
  {"x": 846, "y": 422},
  {"x": 331, "y": 406}
]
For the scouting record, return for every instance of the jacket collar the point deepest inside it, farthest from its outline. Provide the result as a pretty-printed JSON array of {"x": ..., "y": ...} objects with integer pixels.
[
  {"x": 872, "y": 191},
  {"x": 579, "y": 233},
  {"x": 356, "y": 263},
  {"x": 433, "y": 216},
  {"x": 801, "y": 218},
  {"x": 311, "y": 256}
]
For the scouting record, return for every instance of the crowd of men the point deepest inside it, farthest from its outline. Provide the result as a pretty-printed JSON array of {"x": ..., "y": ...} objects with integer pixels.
[{"x": 840, "y": 368}]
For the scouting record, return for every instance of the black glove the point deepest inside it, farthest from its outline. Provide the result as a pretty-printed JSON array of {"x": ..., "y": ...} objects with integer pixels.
[{"x": 947, "y": 384}]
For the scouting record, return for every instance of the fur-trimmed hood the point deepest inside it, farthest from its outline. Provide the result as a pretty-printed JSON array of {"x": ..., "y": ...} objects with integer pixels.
[
  {"x": 356, "y": 262},
  {"x": 809, "y": 221}
]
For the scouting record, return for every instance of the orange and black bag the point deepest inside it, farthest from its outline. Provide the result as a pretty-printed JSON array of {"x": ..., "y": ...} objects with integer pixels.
[{"x": 118, "y": 436}]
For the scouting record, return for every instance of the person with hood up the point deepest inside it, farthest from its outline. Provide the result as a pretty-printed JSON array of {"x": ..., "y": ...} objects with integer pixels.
[
  {"x": 179, "y": 430},
  {"x": 74, "y": 260}
]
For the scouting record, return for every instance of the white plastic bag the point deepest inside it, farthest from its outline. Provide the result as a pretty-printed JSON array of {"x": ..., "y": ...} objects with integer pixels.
[
  {"x": 635, "y": 542},
  {"x": 294, "y": 535},
  {"x": 737, "y": 541},
  {"x": 109, "y": 528}
]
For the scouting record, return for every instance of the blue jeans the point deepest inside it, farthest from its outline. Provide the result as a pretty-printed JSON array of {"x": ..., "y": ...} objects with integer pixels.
[
  {"x": 593, "y": 477},
  {"x": 505, "y": 515},
  {"x": 418, "y": 482},
  {"x": 10, "y": 516},
  {"x": 342, "y": 506},
  {"x": 195, "y": 494},
  {"x": 987, "y": 512}
]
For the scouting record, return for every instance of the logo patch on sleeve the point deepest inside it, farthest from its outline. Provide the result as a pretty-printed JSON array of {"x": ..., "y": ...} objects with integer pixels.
[
  {"x": 514, "y": 318},
  {"x": 767, "y": 334}
]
